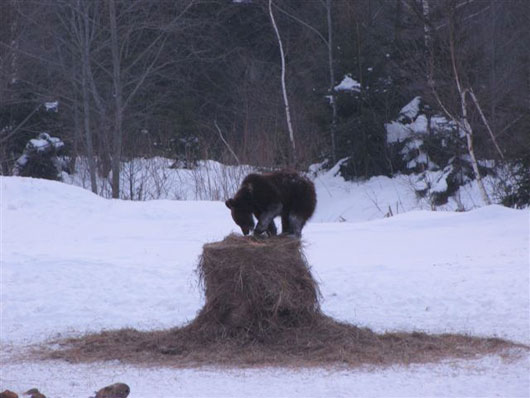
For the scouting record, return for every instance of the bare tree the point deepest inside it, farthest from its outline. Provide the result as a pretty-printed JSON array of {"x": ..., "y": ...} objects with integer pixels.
[
  {"x": 329, "y": 45},
  {"x": 131, "y": 70},
  {"x": 463, "y": 92},
  {"x": 284, "y": 88},
  {"x": 77, "y": 39},
  {"x": 9, "y": 38},
  {"x": 328, "y": 42},
  {"x": 85, "y": 35},
  {"x": 117, "y": 136}
]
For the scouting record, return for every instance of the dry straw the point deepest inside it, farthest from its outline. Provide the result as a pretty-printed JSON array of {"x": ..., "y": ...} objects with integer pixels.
[
  {"x": 262, "y": 308},
  {"x": 255, "y": 288}
]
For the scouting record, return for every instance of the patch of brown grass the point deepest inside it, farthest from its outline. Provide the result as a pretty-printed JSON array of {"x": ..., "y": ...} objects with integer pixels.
[{"x": 262, "y": 309}]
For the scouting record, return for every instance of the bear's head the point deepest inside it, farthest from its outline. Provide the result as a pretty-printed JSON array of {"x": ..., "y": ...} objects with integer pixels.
[{"x": 241, "y": 214}]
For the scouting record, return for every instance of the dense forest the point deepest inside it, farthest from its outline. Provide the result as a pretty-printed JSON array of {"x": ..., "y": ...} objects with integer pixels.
[{"x": 385, "y": 86}]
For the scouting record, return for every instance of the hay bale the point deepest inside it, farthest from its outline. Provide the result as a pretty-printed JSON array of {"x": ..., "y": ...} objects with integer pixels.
[
  {"x": 262, "y": 309},
  {"x": 256, "y": 286}
]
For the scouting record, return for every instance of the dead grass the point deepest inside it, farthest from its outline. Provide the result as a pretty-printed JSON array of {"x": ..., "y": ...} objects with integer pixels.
[{"x": 262, "y": 309}]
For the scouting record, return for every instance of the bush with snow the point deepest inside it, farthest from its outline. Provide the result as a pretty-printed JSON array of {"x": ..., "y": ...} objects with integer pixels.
[
  {"x": 41, "y": 158},
  {"x": 513, "y": 185},
  {"x": 433, "y": 148},
  {"x": 348, "y": 84}
]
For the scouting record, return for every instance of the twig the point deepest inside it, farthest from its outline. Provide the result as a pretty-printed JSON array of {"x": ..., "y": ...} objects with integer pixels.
[
  {"x": 21, "y": 124},
  {"x": 226, "y": 143},
  {"x": 485, "y": 121}
]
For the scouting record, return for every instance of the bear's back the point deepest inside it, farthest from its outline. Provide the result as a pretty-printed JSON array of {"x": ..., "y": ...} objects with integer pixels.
[{"x": 297, "y": 192}]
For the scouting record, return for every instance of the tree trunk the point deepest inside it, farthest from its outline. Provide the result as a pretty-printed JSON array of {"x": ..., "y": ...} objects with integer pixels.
[
  {"x": 470, "y": 148},
  {"x": 117, "y": 134},
  {"x": 14, "y": 43},
  {"x": 86, "y": 104},
  {"x": 428, "y": 42},
  {"x": 77, "y": 134},
  {"x": 332, "y": 85},
  {"x": 465, "y": 121},
  {"x": 294, "y": 160}
]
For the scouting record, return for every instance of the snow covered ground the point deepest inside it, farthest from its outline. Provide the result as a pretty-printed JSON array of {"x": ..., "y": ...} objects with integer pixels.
[
  {"x": 75, "y": 262},
  {"x": 155, "y": 178}
]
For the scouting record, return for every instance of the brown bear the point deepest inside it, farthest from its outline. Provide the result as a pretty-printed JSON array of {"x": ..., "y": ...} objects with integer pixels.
[{"x": 282, "y": 193}]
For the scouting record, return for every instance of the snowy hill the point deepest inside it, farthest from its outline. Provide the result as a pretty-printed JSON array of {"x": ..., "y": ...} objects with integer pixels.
[
  {"x": 378, "y": 197},
  {"x": 338, "y": 200},
  {"x": 75, "y": 262}
]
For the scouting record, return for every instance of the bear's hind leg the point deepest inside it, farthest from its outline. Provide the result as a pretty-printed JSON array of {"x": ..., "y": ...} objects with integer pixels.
[
  {"x": 285, "y": 224},
  {"x": 267, "y": 217},
  {"x": 296, "y": 223},
  {"x": 272, "y": 229}
]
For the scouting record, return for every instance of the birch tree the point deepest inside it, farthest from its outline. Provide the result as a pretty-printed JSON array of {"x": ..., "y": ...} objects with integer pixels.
[
  {"x": 284, "y": 88},
  {"x": 131, "y": 43},
  {"x": 84, "y": 32},
  {"x": 328, "y": 42},
  {"x": 463, "y": 92}
]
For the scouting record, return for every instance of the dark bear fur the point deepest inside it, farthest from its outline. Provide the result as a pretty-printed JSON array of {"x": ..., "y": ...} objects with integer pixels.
[{"x": 283, "y": 193}]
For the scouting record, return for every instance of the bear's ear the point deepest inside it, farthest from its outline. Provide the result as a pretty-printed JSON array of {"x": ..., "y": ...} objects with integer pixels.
[{"x": 229, "y": 203}]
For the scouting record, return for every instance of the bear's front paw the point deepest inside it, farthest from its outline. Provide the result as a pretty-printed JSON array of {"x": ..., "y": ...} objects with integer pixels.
[{"x": 261, "y": 234}]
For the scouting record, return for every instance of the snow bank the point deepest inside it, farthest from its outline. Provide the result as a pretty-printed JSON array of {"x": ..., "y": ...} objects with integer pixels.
[
  {"x": 74, "y": 262},
  {"x": 379, "y": 197},
  {"x": 338, "y": 200},
  {"x": 158, "y": 178}
]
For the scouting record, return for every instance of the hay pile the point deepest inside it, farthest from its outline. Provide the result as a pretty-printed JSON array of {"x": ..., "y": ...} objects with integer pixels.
[
  {"x": 256, "y": 287},
  {"x": 261, "y": 308}
]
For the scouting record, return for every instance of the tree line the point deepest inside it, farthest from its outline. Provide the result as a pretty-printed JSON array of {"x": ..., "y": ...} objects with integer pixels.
[{"x": 256, "y": 81}]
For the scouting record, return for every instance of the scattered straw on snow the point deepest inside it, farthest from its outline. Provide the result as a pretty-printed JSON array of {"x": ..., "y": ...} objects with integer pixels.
[{"x": 262, "y": 309}]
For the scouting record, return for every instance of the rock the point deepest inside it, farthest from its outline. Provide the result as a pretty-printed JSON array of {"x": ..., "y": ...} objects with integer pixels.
[
  {"x": 8, "y": 394},
  {"x": 116, "y": 390},
  {"x": 34, "y": 393}
]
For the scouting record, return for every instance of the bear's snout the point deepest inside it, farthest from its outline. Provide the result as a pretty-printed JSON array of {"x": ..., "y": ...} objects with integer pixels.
[{"x": 246, "y": 230}]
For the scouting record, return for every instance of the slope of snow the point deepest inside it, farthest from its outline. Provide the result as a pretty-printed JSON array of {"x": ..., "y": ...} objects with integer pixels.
[
  {"x": 159, "y": 178},
  {"x": 412, "y": 109},
  {"x": 338, "y": 200},
  {"x": 75, "y": 262},
  {"x": 381, "y": 196},
  {"x": 348, "y": 84}
]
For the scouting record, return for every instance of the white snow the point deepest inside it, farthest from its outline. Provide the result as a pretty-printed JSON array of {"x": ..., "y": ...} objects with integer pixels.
[
  {"x": 348, "y": 84},
  {"x": 441, "y": 182},
  {"x": 376, "y": 197},
  {"x": 43, "y": 142},
  {"x": 149, "y": 179},
  {"x": 412, "y": 145},
  {"x": 52, "y": 106},
  {"x": 75, "y": 262},
  {"x": 154, "y": 178},
  {"x": 22, "y": 160},
  {"x": 422, "y": 158},
  {"x": 412, "y": 109},
  {"x": 38, "y": 144},
  {"x": 397, "y": 131},
  {"x": 412, "y": 123},
  {"x": 419, "y": 126},
  {"x": 440, "y": 123}
]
